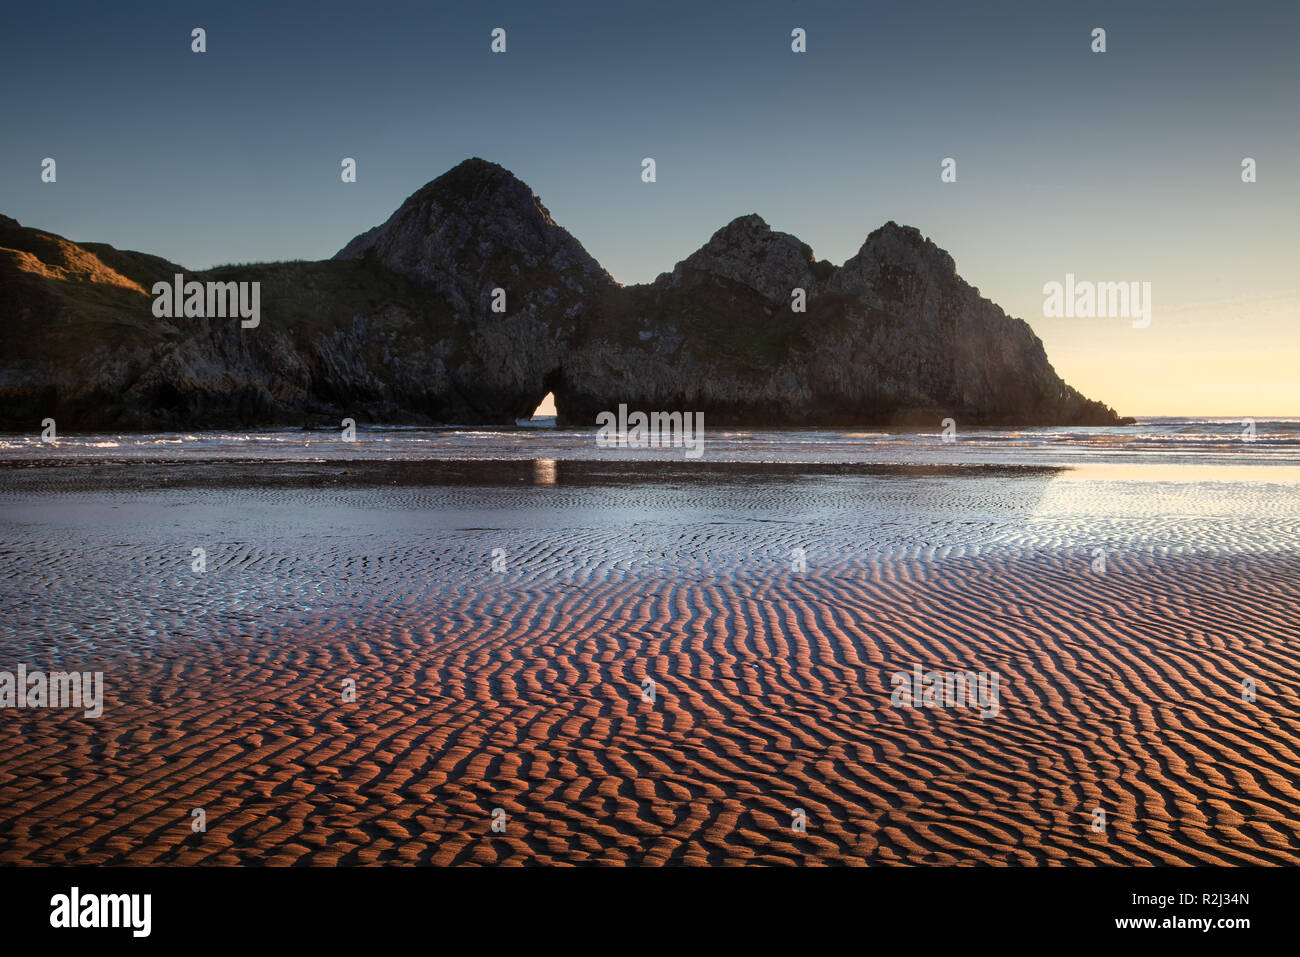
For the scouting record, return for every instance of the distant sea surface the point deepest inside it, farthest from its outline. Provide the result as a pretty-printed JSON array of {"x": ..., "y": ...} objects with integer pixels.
[{"x": 1202, "y": 442}]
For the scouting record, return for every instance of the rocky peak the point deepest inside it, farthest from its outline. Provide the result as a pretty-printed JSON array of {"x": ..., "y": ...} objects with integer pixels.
[
  {"x": 476, "y": 227},
  {"x": 749, "y": 251},
  {"x": 900, "y": 264},
  {"x": 905, "y": 246}
]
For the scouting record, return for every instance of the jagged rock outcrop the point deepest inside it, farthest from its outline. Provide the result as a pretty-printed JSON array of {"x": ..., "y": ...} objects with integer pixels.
[
  {"x": 399, "y": 327},
  {"x": 475, "y": 229},
  {"x": 749, "y": 252},
  {"x": 893, "y": 336}
]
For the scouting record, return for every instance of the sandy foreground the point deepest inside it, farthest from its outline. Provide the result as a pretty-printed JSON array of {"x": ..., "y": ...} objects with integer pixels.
[{"x": 499, "y": 623}]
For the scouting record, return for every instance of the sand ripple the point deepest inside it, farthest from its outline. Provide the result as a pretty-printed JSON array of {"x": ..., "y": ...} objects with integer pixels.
[{"x": 521, "y": 689}]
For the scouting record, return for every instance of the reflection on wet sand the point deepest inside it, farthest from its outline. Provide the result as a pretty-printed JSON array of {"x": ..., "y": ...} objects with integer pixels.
[{"x": 500, "y": 620}]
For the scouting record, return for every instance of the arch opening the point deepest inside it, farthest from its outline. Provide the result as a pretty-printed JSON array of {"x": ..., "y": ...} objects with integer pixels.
[{"x": 544, "y": 416}]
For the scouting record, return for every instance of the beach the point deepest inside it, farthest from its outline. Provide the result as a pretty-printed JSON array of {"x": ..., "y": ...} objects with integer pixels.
[{"x": 445, "y": 661}]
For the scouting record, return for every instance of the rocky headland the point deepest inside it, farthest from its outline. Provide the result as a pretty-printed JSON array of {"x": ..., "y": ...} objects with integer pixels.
[{"x": 403, "y": 326}]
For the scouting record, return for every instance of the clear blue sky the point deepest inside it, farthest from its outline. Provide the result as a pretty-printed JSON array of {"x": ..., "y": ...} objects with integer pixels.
[{"x": 1115, "y": 166}]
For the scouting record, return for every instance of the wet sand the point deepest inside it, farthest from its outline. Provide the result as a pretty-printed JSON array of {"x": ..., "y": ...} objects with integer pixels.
[{"x": 521, "y": 688}]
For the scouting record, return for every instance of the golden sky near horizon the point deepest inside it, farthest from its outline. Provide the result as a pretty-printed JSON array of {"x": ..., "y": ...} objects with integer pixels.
[{"x": 1226, "y": 358}]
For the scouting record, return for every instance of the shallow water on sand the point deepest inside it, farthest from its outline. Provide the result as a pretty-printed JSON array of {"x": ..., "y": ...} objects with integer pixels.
[{"x": 520, "y": 686}]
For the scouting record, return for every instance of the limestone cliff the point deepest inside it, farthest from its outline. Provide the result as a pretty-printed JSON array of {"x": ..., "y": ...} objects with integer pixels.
[{"x": 399, "y": 327}]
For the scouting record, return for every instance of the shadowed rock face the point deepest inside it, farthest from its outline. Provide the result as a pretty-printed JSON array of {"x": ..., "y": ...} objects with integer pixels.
[
  {"x": 399, "y": 327},
  {"x": 474, "y": 229},
  {"x": 748, "y": 252}
]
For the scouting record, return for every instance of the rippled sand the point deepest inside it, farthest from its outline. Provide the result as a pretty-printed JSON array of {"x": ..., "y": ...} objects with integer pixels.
[{"x": 521, "y": 688}]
